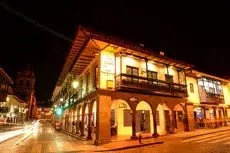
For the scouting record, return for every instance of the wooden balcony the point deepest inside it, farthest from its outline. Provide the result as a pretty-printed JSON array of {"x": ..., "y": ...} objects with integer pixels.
[
  {"x": 140, "y": 84},
  {"x": 210, "y": 98}
]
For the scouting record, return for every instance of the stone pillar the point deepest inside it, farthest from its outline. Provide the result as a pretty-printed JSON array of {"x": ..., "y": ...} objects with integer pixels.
[
  {"x": 172, "y": 122},
  {"x": 89, "y": 136},
  {"x": 190, "y": 117},
  {"x": 224, "y": 116},
  {"x": 133, "y": 125},
  {"x": 155, "y": 134},
  {"x": 82, "y": 126},
  {"x": 103, "y": 132}
]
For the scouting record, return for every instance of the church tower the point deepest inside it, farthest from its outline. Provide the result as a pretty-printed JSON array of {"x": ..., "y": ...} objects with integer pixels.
[{"x": 25, "y": 82}]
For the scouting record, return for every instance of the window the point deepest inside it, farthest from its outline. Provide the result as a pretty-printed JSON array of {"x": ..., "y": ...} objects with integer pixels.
[
  {"x": 28, "y": 83},
  {"x": 21, "y": 83},
  {"x": 132, "y": 71},
  {"x": 191, "y": 87},
  {"x": 87, "y": 82},
  {"x": 168, "y": 78},
  {"x": 95, "y": 78},
  {"x": 210, "y": 86},
  {"x": 152, "y": 75}
]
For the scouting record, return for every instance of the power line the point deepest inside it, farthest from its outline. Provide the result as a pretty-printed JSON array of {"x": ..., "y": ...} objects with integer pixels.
[{"x": 6, "y": 7}]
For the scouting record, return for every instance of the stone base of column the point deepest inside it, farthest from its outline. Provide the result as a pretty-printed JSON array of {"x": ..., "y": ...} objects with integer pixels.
[
  {"x": 155, "y": 135},
  {"x": 89, "y": 138},
  {"x": 101, "y": 141},
  {"x": 133, "y": 137}
]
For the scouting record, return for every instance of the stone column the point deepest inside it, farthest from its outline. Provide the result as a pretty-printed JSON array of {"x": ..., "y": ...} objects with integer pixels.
[
  {"x": 103, "y": 132},
  {"x": 190, "y": 117},
  {"x": 172, "y": 122},
  {"x": 82, "y": 126},
  {"x": 155, "y": 134},
  {"x": 224, "y": 115},
  {"x": 89, "y": 136},
  {"x": 133, "y": 125}
]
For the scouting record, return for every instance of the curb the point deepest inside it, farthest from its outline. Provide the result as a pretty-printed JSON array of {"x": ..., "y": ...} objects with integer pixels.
[
  {"x": 70, "y": 134},
  {"x": 205, "y": 134},
  {"x": 130, "y": 147}
]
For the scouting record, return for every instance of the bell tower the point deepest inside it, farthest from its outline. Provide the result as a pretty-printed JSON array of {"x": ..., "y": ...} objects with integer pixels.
[{"x": 25, "y": 82}]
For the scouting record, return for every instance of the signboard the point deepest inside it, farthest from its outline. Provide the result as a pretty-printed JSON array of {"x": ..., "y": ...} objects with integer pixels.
[{"x": 107, "y": 61}]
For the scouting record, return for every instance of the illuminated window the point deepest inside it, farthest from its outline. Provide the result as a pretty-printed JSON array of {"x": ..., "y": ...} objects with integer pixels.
[
  {"x": 87, "y": 82},
  {"x": 191, "y": 87},
  {"x": 133, "y": 71},
  {"x": 152, "y": 75}
]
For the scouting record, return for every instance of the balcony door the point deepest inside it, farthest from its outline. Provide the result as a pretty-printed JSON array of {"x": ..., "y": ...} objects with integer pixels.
[
  {"x": 152, "y": 75},
  {"x": 132, "y": 71}
]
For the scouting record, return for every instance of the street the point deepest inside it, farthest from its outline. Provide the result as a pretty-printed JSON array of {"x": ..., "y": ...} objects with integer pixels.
[{"x": 45, "y": 139}]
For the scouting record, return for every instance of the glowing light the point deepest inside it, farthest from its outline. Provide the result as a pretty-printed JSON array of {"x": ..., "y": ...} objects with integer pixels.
[
  {"x": 61, "y": 99},
  {"x": 59, "y": 111},
  {"x": 7, "y": 99},
  {"x": 75, "y": 84},
  {"x": 198, "y": 75}
]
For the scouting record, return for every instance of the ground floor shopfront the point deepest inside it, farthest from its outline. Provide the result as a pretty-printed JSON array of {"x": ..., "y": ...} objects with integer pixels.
[
  {"x": 211, "y": 116},
  {"x": 105, "y": 114}
]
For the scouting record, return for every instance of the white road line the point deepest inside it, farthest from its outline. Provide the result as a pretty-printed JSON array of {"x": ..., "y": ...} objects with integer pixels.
[
  {"x": 200, "y": 137},
  {"x": 220, "y": 140},
  {"x": 208, "y": 139},
  {"x": 227, "y": 142}
]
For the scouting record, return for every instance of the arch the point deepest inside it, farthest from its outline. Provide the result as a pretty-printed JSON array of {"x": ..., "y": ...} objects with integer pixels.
[
  {"x": 121, "y": 118},
  {"x": 178, "y": 114},
  {"x": 163, "y": 118},
  {"x": 144, "y": 117}
]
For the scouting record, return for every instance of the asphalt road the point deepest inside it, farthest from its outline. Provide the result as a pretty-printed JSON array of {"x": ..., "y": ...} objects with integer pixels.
[{"x": 45, "y": 140}]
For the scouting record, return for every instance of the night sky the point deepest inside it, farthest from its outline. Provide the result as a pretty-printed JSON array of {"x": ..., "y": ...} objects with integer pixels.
[{"x": 194, "y": 33}]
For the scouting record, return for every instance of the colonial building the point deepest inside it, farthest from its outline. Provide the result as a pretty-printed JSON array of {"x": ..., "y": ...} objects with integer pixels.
[
  {"x": 12, "y": 108},
  {"x": 25, "y": 82},
  {"x": 209, "y": 96},
  {"x": 109, "y": 87}
]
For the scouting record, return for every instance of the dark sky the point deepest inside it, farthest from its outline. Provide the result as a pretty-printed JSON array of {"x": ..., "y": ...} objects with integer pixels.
[{"x": 195, "y": 33}]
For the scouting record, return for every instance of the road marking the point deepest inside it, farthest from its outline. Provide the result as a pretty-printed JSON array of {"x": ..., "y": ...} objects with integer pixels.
[
  {"x": 200, "y": 137},
  {"x": 208, "y": 139},
  {"x": 219, "y": 140},
  {"x": 227, "y": 142}
]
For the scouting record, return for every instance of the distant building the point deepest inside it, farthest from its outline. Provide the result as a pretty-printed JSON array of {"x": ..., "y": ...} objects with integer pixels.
[
  {"x": 25, "y": 82},
  {"x": 12, "y": 108}
]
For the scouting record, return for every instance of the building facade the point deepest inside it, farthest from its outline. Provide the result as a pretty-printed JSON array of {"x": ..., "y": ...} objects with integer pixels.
[
  {"x": 12, "y": 108},
  {"x": 111, "y": 88},
  {"x": 209, "y": 96}
]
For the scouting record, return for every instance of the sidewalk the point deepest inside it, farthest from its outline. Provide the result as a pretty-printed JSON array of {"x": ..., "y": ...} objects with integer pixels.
[{"x": 122, "y": 144}]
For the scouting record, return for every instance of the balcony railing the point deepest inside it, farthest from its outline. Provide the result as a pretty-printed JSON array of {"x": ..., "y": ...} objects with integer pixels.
[
  {"x": 211, "y": 98},
  {"x": 148, "y": 85}
]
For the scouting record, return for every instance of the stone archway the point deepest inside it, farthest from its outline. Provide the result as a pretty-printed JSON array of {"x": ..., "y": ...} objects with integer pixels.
[
  {"x": 179, "y": 117},
  {"x": 121, "y": 118},
  {"x": 144, "y": 117},
  {"x": 163, "y": 119}
]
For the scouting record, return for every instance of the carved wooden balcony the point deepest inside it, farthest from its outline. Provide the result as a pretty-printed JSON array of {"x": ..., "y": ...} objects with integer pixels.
[{"x": 146, "y": 85}]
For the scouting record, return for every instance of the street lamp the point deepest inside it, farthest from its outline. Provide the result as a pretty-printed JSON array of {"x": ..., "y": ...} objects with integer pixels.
[{"x": 75, "y": 84}]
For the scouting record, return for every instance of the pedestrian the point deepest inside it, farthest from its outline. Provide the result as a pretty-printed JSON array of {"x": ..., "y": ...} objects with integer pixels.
[{"x": 139, "y": 138}]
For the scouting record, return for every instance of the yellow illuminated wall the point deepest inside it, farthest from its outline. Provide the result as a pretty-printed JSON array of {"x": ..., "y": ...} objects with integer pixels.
[
  {"x": 161, "y": 129},
  {"x": 193, "y": 96},
  {"x": 226, "y": 90},
  {"x": 119, "y": 118},
  {"x": 107, "y": 70}
]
